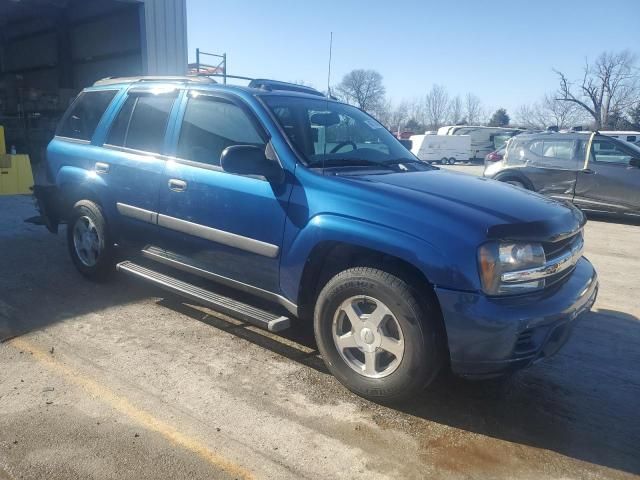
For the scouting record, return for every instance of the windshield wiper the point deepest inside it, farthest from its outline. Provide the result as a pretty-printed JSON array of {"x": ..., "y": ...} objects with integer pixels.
[
  {"x": 346, "y": 162},
  {"x": 397, "y": 161},
  {"x": 402, "y": 161}
]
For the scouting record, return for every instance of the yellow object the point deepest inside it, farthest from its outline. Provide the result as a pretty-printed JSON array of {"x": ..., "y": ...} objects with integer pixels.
[
  {"x": 15, "y": 174},
  {"x": 3, "y": 145}
]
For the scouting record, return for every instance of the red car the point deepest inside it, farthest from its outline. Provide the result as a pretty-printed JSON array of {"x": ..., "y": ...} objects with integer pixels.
[{"x": 495, "y": 156}]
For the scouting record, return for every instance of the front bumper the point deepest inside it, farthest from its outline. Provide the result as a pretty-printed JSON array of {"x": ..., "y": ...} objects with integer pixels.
[{"x": 489, "y": 336}]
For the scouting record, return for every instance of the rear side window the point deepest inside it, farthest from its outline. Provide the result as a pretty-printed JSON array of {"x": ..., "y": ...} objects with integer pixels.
[
  {"x": 212, "y": 124},
  {"x": 553, "y": 153},
  {"x": 85, "y": 113},
  {"x": 142, "y": 122}
]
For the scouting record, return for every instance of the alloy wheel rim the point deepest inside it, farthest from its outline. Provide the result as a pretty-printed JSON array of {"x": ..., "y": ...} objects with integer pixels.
[
  {"x": 86, "y": 241},
  {"x": 368, "y": 336}
]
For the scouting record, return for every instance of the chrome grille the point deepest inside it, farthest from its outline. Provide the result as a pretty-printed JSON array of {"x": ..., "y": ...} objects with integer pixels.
[{"x": 557, "y": 249}]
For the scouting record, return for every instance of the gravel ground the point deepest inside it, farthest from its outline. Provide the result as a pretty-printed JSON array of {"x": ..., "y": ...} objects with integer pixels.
[{"x": 118, "y": 380}]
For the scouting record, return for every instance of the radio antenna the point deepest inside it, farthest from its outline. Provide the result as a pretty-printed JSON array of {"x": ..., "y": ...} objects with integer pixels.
[{"x": 329, "y": 74}]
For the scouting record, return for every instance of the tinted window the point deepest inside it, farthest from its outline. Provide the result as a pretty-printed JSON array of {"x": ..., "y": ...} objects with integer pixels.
[
  {"x": 212, "y": 124},
  {"x": 142, "y": 122},
  {"x": 560, "y": 150},
  {"x": 609, "y": 152},
  {"x": 85, "y": 113},
  {"x": 556, "y": 153}
]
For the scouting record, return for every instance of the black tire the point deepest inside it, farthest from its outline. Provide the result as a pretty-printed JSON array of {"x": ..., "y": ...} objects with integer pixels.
[
  {"x": 444, "y": 161},
  {"x": 423, "y": 354},
  {"x": 105, "y": 259}
]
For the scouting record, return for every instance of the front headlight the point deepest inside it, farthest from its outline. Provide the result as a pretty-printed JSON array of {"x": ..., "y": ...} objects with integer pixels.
[{"x": 495, "y": 259}]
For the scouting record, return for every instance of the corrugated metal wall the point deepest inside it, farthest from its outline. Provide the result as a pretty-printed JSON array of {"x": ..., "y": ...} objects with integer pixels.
[{"x": 164, "y": 48}]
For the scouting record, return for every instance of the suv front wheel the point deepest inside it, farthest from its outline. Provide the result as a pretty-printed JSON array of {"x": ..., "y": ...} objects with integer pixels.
[
  {"x": 375, "y": 336},
  {"x": 89, "y": 241}
]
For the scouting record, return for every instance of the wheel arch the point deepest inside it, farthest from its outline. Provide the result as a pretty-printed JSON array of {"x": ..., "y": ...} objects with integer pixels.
[
  {"x": 506, "y": 175},
  {"x": 75, "y": 184},
  {"x": 329, "y": 258}
]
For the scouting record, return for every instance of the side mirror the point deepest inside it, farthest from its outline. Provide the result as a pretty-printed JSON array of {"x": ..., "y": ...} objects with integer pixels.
[
  {"x": 250, "y": 160},
  {"x": 635, "y": 162}
]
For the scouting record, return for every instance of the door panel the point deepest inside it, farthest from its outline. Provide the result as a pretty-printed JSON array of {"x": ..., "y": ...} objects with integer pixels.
[
  {"x": 133, "y": 156},
  {"x": 609, "y": 183},
  {"x": 227, "y": 224},
  {"x": 230, "y": 225},
  {"x": 552, "y": 165}
]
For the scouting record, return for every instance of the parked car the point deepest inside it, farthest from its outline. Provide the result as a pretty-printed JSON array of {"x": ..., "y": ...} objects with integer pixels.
[
  {"x": 495, "y": 156},
  {"x": 312, "y": 207},
  {"x": 594, "y": 171}
]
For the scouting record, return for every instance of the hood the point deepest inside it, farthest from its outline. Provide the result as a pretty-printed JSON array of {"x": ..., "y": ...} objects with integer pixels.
[{"x": 505, "y": 211}]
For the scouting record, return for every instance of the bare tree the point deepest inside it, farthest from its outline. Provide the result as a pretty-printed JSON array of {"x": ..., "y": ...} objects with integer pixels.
[
  {"x": 609, "y": 85},
  {"x": 472, "y": 109},
  {"x": 456, "y": 114},
  {"x": 550, "y": 112},
  {"x": 362, "y": 88},
  {"x": 417, "y": 112},
  {"x": 436, "y": 105},
  {"x": 383, "y": 112},
  {"x": 399, "y": 116}
]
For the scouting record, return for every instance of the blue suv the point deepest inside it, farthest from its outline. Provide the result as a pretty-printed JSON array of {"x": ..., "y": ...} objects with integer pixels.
[{"x": 308, "y": 208}]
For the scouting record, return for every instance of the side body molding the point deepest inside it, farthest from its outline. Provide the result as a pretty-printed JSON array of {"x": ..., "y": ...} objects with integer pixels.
[{"x": 219, "y": 236}]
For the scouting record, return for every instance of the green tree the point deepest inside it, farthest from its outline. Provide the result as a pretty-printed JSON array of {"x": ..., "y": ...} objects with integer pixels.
[
  {"x": 499, "y": 118},
  {"x": 414, "y": 126}
]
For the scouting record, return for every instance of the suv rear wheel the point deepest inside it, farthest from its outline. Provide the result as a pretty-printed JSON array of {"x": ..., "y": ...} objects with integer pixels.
[
  {"x": 89, "y": 241},
  {"x": 375, "y": 336}
]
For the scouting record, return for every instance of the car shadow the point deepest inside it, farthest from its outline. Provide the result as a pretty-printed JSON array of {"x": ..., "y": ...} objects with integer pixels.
[
  {"x": 582, "y": 403},
  {"x": 39, "y": 285}
]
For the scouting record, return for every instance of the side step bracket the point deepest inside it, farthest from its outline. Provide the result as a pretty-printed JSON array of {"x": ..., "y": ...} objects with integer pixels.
[{"x": 228, "y": 306}]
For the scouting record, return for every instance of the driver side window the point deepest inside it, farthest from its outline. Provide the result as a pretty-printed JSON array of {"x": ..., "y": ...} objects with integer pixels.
[
  {"x": 606, "y": 151},
  {"x": 212, "y": 124}
]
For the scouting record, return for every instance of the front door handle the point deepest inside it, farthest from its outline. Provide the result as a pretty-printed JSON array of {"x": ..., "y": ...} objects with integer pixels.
[
  {"x": 177, "y": 185},
  {"x": 101, "y": 167},
  {"x": 588, "y": 171}
]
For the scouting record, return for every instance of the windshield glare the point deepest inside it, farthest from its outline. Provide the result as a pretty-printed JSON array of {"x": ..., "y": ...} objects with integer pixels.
[{"x": 335, "y": 133}]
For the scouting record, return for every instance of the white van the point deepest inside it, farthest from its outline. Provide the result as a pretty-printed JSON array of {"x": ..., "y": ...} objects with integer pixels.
[
  {"x": 444, "y": 149},
  {"x": 484, "y": 140},
  {"x": 626, "y": 135}
]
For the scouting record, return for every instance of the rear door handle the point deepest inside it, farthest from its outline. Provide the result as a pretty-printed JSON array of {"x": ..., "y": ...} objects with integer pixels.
[
  {"x": 588, "y": 171},
  {"x": 101, "y": 167},
  {"x": 177, "y": 185}
]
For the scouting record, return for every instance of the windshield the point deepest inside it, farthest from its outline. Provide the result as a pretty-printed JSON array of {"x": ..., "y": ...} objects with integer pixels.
[{"x": 331, "y": 134}]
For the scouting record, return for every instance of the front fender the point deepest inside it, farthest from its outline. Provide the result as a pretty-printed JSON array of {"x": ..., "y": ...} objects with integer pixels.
[{"x": 434, "y": 264}]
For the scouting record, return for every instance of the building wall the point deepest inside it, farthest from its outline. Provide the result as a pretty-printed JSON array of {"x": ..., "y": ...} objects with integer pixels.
[{"x": 164, "y": 43}]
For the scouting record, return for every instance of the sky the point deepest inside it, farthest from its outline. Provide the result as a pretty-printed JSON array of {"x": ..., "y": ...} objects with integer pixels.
[{"x": 502, "y": 51}]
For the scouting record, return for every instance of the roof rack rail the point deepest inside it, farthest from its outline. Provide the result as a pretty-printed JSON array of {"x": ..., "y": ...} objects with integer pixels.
[
  {"x": 169, "y": 78},
  {"x": 271, "y": 85}
]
